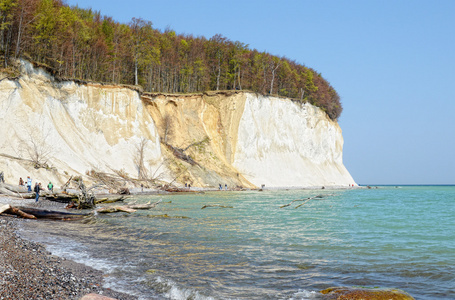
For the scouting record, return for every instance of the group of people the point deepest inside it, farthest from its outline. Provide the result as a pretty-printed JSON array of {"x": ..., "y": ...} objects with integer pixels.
[
  {"x": 37, "y": 189},
  {"x": 221, "y": 187}
]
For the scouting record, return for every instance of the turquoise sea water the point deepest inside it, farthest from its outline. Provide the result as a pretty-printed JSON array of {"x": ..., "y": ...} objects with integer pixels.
[{"x": 401, "y": 237}]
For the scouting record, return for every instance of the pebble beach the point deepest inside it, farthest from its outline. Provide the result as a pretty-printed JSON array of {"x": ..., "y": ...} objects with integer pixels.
[{"x": 29, "y": 271}]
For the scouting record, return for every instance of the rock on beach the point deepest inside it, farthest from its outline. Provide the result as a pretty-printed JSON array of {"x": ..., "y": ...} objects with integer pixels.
[{"x": 350, "y": 293}]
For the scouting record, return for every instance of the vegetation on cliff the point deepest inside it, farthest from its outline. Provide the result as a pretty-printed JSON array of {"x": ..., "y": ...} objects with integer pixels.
[{"x": 82, "y": 44}]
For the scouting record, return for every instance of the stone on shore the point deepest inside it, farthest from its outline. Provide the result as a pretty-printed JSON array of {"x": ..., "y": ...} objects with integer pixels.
[
  {"x": 93, "y": 296},
  {"x": 29, "y": 271},
  {"x": 345, "y": 293}
]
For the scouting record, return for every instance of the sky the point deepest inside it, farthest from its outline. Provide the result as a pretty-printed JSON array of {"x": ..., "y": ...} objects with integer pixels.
[{"x": 391, "y": 61}]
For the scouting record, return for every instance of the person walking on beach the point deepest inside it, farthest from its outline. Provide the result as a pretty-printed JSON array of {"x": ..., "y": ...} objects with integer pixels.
[
  {"x": 37, "y": 190},
  {"x": 29, "y": 184},
  {"x": 21, "y": 181},
  {"x": 50, "y": 187}
]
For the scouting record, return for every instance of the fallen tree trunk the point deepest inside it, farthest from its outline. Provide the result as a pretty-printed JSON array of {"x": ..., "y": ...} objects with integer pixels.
[
  {"x": 7, "y": 192},
  {"x": 35, "y": 213},
  {"x": 110, "y": 199},
  {"x": 305, "y": 201},
  {"x": 4, "y": 208},
  {"x": 15, "y": 211},
  {"x": 14, "y": 188},
  {"x": 143, "y": 206},
  {"x": 216, "y": 205},
  {"x": 179, "y": 190},
  {"x": 114, "y": 209},
  {"x": 51, "y": 214},
  {"x": 60, "y": 197}
]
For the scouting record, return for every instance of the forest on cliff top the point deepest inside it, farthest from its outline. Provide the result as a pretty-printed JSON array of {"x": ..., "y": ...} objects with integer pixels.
[{"x": 77, "y": 43}]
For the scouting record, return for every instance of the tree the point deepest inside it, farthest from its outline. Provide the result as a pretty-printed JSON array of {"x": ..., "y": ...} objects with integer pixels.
[
  {"x": 167, "y": 127},
  {"x": 274, "y": 65},
  {"x": 81, "y": 43},
  {"x": 139, "y": 159},
  {"x": 6, "y": 21},
  {"x": 45, "y": 28},
  {"x": 217, "y": 56}
]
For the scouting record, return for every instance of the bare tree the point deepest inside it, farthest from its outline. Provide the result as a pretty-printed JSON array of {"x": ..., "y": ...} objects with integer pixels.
[
  {"x": 155, "y": 175},
  {"x": 36, "y": 149},
  {"x": 167, "y": 126},
  {"x": 274, "y": 65},
  {"x": 139, "y": 159}
]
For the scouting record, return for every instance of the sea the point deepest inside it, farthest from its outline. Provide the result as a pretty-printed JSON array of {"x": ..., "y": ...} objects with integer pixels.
[{"x": 270, "y": 244}]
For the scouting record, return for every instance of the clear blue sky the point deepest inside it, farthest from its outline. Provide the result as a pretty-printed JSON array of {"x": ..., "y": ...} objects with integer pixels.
[{"x": 391, "y": 61}]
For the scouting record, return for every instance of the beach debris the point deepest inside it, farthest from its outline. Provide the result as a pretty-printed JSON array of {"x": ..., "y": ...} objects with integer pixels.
[
  {"x": 15, "y": 211},
  {"x": 179, "y": 153},
  {"x": 4, "y": 208},
  {"x": 65, "y": 186},
  {"x": 37, "y": 213},
  {"x": 124, "y": 191},
  {"x": 110, "y": 199},
  {"x": 305, "y": 200},
  {"x": 172, "y": 189},
  {"x": 60, "y": 197},
  {"x": 85, "y": 199},
  {"x": 53, "y": 214},
  {"x": 216, "y": 205},
  {"x": 14, "y": 191},
  {"x": 114, "y": 209},
  {"x": 129, "y": 208},
  {"x": 365, "y": 293},
  {"x": 166, "y": 216},
  {"x": 148, "y": 205}
]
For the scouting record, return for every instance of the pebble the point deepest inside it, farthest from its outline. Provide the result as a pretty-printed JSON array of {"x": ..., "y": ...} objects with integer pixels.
[{"x": 29, "y": 271}]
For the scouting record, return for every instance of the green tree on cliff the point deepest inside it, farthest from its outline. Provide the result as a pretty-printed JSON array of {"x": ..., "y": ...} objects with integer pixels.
[{"x": 82, "y": 44}]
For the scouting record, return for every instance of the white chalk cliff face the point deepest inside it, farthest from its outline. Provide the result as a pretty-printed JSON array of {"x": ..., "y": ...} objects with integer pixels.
[
  {"x": 249, "y": 140},
  {"x": 284, "y": 144},
  {"x": 76, "y": 128}
]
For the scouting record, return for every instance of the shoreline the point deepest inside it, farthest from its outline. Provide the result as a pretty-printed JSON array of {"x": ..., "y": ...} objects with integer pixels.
[{"x": 29, "y": 271}]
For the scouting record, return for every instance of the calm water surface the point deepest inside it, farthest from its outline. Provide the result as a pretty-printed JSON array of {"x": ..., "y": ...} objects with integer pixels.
[{"x": 401, "y": 237}]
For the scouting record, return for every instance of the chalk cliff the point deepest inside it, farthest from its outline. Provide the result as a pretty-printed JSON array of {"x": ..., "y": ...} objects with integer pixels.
[{"x": 233, "y": 137}]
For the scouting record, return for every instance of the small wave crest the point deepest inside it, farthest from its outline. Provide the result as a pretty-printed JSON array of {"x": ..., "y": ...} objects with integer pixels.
[
  {"x": 171, "y": 290},
  {"x": 305, "y": 295}
]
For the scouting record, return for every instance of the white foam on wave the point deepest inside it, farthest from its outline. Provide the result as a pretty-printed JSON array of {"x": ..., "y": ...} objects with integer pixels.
[
  {"x": 172, "y": 291},
  {"x": 68, "y": 249},
  {"x": 305, "y": 295},
  {"x": 75, "y": 251}
]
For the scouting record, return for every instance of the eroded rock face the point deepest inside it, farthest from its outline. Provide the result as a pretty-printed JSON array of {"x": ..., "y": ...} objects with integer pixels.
[
  {"x": 348, "y": 293},
  {"x": 234, "y": 137},
  {"x": 72, "y": 127},
  {"x": 254, "y": 139},
  {"x": 281, "y": 143}
]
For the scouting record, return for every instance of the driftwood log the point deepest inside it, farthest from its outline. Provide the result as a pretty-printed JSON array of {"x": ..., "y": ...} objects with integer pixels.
[
  {"x": 305, "y": 201},
  {"x": 110, "y": 199},
  {"x": 114, "y": 209},
  {"x": 51, "y": 214},
  {"x": 60, "y": 197},
  {"x": 4, "y": 208},
  {"x": 143, "y": 206},
  {"x": 129, "y": 208},
  {"x": 15, "y": 191},
  {"x": 216, "y": 205},
  {"x": 36, "y": 213},
  {"x": 15, "y": 211}
]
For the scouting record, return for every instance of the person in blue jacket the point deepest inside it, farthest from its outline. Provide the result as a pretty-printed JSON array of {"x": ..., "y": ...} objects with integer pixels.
[{"x": 37, "y": 189}]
